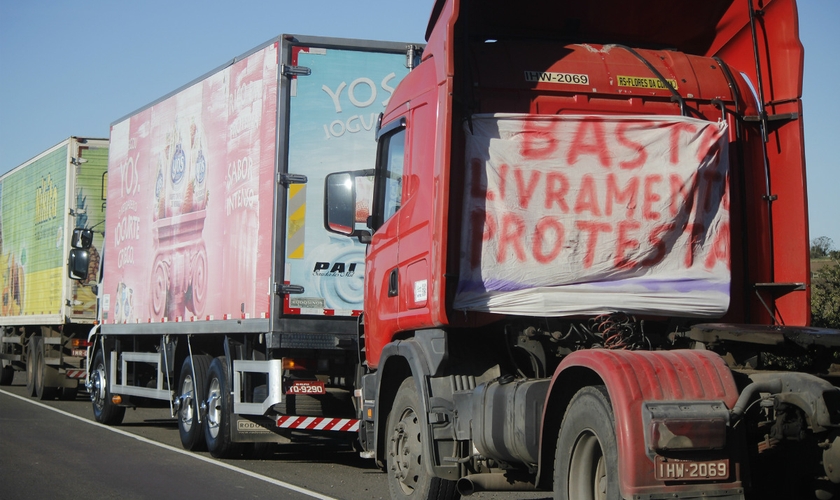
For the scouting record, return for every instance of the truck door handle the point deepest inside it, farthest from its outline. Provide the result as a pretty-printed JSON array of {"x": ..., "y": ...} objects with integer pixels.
[{"x": 393, "y": 283}]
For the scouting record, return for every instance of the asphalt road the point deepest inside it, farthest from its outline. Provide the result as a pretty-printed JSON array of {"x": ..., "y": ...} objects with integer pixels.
[{"x": 54, "y": 449}]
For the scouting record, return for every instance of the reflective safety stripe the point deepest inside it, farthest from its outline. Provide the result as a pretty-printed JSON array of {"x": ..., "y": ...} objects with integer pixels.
[
  {"x": 318, "y": 424},
  {"x": 297, "y": 221}
]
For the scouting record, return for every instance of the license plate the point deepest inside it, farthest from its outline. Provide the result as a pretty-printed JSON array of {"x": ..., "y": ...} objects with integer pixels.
[
  {"x": 306, "y": 387},
  {"x": 668, "y": 469},
  {"x": 79, "y": 353}
]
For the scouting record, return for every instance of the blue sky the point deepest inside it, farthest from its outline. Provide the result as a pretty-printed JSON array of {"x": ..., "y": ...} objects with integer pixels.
[{"x": 73, "y": 68}]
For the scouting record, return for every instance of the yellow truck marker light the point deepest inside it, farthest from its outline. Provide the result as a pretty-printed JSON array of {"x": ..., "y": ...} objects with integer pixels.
[{"x": 295, "y": 364}]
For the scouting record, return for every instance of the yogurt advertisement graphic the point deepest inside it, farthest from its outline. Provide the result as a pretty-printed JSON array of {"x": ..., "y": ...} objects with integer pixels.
[
  {"x": 34, "y": 207},
  {"x": 193, "y": 192},
  {"x": 333, "y": 111},
  {"x": 191, "y": 184}
]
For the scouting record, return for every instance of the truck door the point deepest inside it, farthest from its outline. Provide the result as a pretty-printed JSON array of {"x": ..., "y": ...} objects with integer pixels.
[
  {"x": 401, "y": 247},
  {"x": 415, "y": 238},
  {"x": 332, "y": 120},
  {"x": 384, "y": 274},
  {"x": 88, "y": 203}
]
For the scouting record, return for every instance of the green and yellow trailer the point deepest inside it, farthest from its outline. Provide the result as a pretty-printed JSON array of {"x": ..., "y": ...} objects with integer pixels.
[{"x": 45, "y": 316}]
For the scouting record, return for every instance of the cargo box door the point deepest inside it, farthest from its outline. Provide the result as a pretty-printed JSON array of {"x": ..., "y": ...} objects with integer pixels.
[
  {"x": 88, "y": 211},
  {"x": 332, "y": 121}
]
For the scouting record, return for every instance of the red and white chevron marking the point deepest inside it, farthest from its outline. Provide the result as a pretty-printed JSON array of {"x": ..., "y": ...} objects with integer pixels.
[
  {"x": 318, "y": 423},
  {"x": 75, "y": 373}
]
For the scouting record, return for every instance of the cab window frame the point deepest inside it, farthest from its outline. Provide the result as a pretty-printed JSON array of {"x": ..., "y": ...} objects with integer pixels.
[{"x": 388, "y": 191}]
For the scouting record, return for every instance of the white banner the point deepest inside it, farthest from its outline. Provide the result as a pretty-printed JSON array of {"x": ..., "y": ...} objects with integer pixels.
[{"x": 568, "y": 215}]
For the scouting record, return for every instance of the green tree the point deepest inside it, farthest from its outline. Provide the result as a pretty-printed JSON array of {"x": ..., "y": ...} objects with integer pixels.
[
  {"x": 822, "y": 247},
  {"x": 825, "y": 297}
]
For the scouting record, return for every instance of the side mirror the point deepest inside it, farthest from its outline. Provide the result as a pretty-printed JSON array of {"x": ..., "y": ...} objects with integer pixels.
[
  {"x": 347, "y": 200},
  {"x": 82, "y": 238},
  {"x": 78, "y": 263},
  {"x": 340, "y": 204}
]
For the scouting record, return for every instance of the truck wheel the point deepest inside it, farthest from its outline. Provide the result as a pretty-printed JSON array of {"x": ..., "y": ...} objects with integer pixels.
[
  {"x": 586, "y": 459},
  {"x": 406, "y": 468},
  {"x": 30, "y": 365},
  {"x": 7, "y": 374},
  {"x": 191, "y": 393},
  {"x": 42, "y": 392},
  {"x": 104, "y": 411},
  {"x": 219, "y": 403}
]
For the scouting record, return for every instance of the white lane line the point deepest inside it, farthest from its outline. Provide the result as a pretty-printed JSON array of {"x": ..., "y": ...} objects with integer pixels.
[{"x": 217, "y": 463}]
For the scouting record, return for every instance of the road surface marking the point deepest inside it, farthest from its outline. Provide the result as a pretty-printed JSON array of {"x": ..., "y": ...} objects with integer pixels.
[{"x": 212, "y": 461}]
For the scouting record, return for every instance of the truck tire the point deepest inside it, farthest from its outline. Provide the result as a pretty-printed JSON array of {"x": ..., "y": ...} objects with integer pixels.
[
  {"x": 191, "y": 393},
  {"x": 7, "y": 374},
  {"x": 104, "y": 411},
  {"x": 406, "y": 467},
  {"x": 42, "y": 391},
  {"x": 586, "y": 458},
  {"x": 30, "y": 365},
  {"x": 217, "y": 432},
  {"x": 35, "y": 372}
]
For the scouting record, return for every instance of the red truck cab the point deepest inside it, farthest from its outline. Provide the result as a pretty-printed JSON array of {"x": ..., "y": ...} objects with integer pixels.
[
  {"x": 492, "y": 372},
  {"x": 488, "y": 73}
]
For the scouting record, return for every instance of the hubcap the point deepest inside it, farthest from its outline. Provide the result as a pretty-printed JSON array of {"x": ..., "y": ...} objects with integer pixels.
[
  {"x": 588, "y": 469},
  {"x": 187, "y": 410},
  {"x": 214, "y": 407},
  {"x": 406, "y": 451},
  {"x": 97, "y": 382}
]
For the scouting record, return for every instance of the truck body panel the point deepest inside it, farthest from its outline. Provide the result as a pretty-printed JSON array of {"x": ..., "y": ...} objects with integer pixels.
[
  {"x": 193, "y": 169},
  {"x": 43, "y": 200},
  {"x": 180, "y": 253},
  {"x": 39, "y": 200}
]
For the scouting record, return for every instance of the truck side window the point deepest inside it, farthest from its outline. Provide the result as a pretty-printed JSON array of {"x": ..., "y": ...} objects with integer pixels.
[{"x": 394, "y": 158}]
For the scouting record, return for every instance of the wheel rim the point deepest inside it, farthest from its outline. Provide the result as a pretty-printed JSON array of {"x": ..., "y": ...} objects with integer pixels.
[
  {"x": 187, "y": 409},
  {"x": 406, "y": 451},
  {"x": 214, "y": 408},
  {"x": 587, "y": 469},
  {"x": 97, "y": 395}
]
